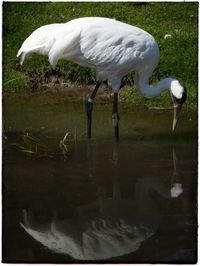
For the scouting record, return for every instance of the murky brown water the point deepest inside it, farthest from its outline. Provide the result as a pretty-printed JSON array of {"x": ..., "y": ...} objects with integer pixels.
[{"x": 132, "y": 201}]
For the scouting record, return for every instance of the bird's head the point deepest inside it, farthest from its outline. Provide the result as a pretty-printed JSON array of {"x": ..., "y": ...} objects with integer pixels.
[{"x": 179, "y": 95}]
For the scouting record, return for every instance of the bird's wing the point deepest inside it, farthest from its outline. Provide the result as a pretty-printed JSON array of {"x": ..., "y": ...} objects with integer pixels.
[
  {"x": 62, "y": 46},
  {"x": 112, "y": 48}
]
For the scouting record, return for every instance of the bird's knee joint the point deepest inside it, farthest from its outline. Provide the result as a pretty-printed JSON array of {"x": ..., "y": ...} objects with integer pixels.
[
  {"x": 115, "y": 118},
  {"x": 89, "y": 106}
]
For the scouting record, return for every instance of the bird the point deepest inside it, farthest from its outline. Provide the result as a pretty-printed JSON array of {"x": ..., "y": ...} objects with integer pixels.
[{"x": 111, "y": 47}]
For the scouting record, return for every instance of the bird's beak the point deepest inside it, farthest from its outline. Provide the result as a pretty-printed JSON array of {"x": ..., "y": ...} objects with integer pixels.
[{"x": 177, "y": 111}]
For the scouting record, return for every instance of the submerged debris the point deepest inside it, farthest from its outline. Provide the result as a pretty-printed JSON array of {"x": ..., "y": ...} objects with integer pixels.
[
  {"x": 36, "y": 147},
  {"x": 33, "y": 145},
  {"x": 64, "y": 147}
]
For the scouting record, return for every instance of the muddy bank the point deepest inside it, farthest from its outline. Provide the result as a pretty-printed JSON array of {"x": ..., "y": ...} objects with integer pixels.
[
  {"x": 53, "y": 88},
  {"x": 67, "y": 92}
]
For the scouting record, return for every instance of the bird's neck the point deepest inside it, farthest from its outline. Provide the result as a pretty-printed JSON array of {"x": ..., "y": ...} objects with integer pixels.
[{"x": 152, "y": 91}]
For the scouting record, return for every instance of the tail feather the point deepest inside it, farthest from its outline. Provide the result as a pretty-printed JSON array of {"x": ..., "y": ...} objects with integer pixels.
[
  {"x": 23, "y": 52},
  {"x": 40, "y": 41},
  {"x": 53, "y": 40}
]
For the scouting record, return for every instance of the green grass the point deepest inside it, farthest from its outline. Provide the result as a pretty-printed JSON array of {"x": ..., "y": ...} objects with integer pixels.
[{"x": 178, "y": 55}]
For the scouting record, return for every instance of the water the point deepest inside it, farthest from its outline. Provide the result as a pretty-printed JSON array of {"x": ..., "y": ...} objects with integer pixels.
[{"x": 131, "y": 201}]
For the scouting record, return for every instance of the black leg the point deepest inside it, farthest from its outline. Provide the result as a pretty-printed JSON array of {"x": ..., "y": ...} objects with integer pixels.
[
  {"x": 89, "y": 108},
  {"x": 115, "y": 116}
]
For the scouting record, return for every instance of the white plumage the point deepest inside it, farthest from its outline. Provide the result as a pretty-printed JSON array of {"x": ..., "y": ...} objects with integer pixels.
[{"x": 111, "y": 47}]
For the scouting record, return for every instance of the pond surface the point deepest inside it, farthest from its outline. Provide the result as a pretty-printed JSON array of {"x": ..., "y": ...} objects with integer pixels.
[{"x": 68, "y": 200}]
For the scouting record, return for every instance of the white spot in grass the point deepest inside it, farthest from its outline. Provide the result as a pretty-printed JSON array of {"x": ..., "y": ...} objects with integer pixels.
[{"x": 167, "y": 36}]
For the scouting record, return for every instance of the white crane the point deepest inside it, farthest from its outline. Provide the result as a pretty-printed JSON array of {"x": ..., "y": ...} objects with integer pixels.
[{"x": 113, "y": 49}]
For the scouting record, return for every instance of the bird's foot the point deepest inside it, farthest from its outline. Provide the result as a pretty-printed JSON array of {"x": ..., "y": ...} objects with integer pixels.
[{"x": 115, "y": 118}]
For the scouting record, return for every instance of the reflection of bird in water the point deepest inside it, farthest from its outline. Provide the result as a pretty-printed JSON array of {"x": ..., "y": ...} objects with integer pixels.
[
  {"x": 107, "y": 228},
  {"x": 113, "y": 49},
  {"x": 176, "y": 188}
]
